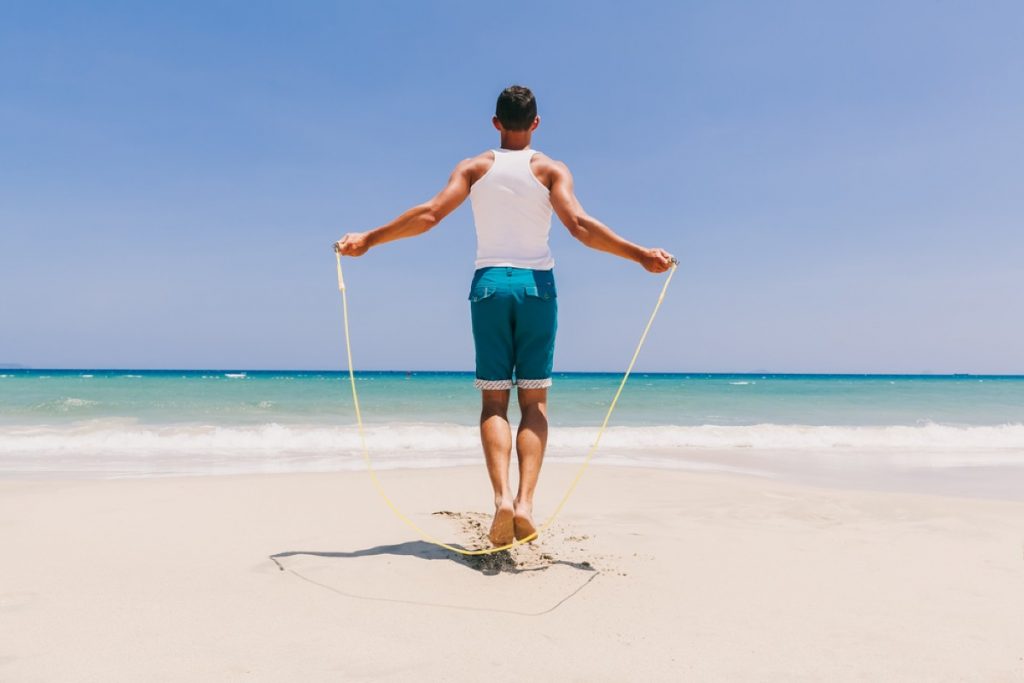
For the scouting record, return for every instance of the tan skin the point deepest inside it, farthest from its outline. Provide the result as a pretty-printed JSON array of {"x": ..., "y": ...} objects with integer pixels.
[{"x": 513, "y": 514}]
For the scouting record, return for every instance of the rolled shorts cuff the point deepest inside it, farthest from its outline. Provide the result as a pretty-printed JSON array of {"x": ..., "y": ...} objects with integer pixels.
[
  {"x": 492, "y": 384},
  {"x": 499, "y": 384},
  {"x": 534, "y": 383}
]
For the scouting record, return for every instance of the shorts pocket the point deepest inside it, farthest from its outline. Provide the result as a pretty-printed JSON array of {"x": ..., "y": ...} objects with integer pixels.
[
  {"x": 542, "y": 290},
  {"x": 480, "y": 293}
]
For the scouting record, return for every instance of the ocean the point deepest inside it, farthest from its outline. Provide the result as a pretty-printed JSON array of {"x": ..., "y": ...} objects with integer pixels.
[{"x": 955, "y": 434}]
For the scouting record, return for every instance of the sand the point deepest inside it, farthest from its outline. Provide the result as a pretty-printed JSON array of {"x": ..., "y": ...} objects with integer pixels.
[{"x": 650, "y": 575}]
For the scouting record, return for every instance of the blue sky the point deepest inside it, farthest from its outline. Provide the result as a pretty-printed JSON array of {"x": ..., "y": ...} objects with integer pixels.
[{"x": 841, "y": 181}]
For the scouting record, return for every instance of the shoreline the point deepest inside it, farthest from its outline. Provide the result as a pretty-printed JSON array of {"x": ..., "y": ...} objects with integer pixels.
[
  {"x": 848, "y": 472},
  {"x": 650, "y": 574}
]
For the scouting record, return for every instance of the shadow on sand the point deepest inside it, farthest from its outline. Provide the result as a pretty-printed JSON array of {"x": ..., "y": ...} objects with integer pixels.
[{"x": 494, "y": 563}]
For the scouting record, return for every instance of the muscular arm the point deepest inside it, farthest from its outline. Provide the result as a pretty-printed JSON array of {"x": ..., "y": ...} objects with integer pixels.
[
  {"x": 592, "y": 232},
  {"x": 416, "y": 220}
]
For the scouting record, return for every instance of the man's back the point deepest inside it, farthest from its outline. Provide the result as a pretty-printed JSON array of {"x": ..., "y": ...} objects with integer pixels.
[{"x": 512, "y": 213}]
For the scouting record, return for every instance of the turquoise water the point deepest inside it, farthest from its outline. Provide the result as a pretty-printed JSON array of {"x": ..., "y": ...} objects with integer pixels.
[
  {"x": 144, "y": 422},
  {"x": 252, "y": 397}
]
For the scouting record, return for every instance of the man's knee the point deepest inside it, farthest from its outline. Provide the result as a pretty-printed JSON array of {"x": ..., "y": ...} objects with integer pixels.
[
  {"x": 495, "y": 402},
  {"x": 533, "y": 401}
]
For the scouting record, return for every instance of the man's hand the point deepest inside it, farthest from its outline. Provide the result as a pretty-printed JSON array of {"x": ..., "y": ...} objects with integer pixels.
[
  {"x": 657, "y": 260},
  {"x": 352, "y": 244}
]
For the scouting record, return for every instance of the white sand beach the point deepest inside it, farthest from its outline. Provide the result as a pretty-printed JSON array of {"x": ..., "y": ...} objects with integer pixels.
[{"x": 650, "y": 575}]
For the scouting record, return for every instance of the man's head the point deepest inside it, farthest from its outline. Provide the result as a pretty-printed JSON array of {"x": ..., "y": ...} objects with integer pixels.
[{"x": 516, "y": 109}]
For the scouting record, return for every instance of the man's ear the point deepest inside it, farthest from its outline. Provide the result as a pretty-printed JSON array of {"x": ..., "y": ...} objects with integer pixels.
[
  {"x": 497, "y": 124},
  {"x": 536, "y": 122}
]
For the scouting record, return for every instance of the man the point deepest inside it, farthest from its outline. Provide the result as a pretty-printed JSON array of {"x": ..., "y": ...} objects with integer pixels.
[{"x": 513, "y": 302}]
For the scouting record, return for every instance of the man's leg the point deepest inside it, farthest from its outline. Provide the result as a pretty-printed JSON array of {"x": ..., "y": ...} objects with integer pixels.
[
  {"x": 531, "y": 439},
  {"x": 496, "y": 437}
]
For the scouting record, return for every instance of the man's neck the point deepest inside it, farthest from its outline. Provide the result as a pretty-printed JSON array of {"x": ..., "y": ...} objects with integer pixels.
[{"x": 516, "y": 139}]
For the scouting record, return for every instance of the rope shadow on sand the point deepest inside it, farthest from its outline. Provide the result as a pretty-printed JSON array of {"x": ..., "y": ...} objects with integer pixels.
[
  {"x": 497, "y": 563},
  {"x": 486, "y": 564}
]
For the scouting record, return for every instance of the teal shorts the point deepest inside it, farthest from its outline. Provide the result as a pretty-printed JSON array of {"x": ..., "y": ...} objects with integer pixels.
[{"x": 515, "y": 317}]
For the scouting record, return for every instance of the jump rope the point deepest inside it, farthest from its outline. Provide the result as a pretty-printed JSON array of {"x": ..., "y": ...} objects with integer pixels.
[{"x": 572, "y": 486}]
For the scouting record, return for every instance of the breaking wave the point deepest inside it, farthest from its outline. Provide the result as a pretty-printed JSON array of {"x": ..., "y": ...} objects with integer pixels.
[{"x": 122, "y": 436}]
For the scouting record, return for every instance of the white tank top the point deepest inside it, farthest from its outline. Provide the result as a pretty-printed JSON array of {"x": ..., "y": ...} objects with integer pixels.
[{"x": 512, "y": 212}]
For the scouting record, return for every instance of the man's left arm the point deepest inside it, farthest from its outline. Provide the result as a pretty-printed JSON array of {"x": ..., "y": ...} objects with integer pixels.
[{"x": 416, "y": 220}]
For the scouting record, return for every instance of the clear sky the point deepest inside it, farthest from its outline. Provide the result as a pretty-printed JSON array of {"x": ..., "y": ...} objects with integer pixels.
[{"x": 842, "y": 182}]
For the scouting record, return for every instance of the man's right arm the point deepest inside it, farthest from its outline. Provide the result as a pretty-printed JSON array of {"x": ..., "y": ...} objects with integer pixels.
[
  {"x": 592, "y": 232},
  {"x": 417, "y": 220}
]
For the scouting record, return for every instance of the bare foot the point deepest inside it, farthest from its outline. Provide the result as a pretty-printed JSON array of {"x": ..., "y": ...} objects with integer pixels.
[
  {"x": 522, "y": 521},
  {"x": 502, "y": 527}
]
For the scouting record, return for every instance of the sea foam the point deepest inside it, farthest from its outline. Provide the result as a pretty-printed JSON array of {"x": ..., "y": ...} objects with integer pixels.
[
  {"x": 127, "y": 436},
  {"x": 116, "y": 447}
]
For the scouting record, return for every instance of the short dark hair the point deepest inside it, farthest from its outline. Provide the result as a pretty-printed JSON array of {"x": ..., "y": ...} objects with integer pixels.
[{"x": 517, "y": 108}]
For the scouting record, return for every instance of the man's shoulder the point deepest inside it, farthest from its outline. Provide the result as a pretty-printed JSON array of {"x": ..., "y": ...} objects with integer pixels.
[
  {"x": 542, "y": 160},
  {"x": 477, "y": 165},
  {"x": 484, "y": 158},
  {"x": 548, "y": 169}
]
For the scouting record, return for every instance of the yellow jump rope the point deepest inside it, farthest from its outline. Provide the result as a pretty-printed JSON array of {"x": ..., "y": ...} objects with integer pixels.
[{"x": 579, "y": 474}]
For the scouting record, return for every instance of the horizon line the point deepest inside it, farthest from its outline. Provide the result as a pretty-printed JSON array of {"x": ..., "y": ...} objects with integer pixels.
[{"x": 16, "y": 368}]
